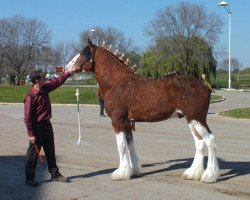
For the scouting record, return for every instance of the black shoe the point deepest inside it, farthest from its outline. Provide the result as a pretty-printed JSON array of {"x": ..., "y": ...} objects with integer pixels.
[
  {"x": 59, "y": 177},
  {"x": 102, "y": 115},
  {"x": 32, "y": 182}
]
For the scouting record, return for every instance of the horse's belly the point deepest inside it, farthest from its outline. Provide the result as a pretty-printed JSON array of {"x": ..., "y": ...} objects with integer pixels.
[{"x": 151, "y": 115}]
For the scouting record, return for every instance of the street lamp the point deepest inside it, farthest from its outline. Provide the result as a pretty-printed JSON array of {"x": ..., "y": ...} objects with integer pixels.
[
  {"x": 93, "y": 30},
  {"x": 226, "y": 6}
]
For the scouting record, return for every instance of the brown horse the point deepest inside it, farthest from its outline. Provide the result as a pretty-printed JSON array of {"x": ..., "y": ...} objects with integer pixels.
[{"x": 129, "y": 97}]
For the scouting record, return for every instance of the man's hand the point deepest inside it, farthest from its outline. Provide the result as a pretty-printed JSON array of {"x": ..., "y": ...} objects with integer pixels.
[
  {"x": 74, "y": 69},
  {"x": 32, "y": 139}
]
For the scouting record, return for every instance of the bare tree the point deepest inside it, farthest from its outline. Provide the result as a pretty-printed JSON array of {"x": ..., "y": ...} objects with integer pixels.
[
  {"x": 22, "y": 38},
  {"x": 61, "y": 54},
  {"x": 111, "y": 36},
  {"x": 178, "y": 27},
  {"x": 235, "y": 64},
  {"x": 3, "y": 41}
]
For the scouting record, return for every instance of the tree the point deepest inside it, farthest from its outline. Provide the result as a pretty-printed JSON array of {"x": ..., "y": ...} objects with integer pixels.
[
  {"x": 148, "y": 65},
  {"x": 245, "y": 71},
  {"x": 235, "y": 64},
  {"x": 3, "y": 43},
  {"x": 61, "y": 54},
  {"x": 201, "y": 62},
  {"x": 111, "y": 36},
  {"x": 21, "y": 38},
  {"x": 186, "y": 30},
  {"x": 134, "y": 59}
]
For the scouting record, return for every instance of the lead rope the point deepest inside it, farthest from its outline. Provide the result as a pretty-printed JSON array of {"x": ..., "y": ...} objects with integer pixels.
[{"x": 78, "y": 111}]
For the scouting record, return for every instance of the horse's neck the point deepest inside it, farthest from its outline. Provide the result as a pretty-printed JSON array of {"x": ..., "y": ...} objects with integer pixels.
[{"x": 109, "y": 71}]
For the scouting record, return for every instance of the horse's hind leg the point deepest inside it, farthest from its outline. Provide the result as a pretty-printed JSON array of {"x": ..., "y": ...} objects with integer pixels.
[
  {"x": 197, "y": 168},
  {"x": 124, "y": 170},
  {"x": 211, "y": 174},
  {"x": 134, "y": 161}
]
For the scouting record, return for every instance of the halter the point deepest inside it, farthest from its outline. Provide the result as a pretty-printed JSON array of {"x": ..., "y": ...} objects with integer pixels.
[{"x": 89, "y": 58}]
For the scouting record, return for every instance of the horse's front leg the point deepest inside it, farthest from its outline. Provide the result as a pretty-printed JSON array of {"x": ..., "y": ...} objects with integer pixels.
[{"x": 124, "y": 171}]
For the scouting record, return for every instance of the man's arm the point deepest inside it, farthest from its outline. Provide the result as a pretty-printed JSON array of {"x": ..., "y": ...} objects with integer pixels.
[
  {"x": 28, "y": 115},
  {"x": 57, "y": 82}
]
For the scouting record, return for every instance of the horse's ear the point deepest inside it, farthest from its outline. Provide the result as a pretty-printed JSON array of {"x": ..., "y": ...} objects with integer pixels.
[{"x": 90, "y": 42}]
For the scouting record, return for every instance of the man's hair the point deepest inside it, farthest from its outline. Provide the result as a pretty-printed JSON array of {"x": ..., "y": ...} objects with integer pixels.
[{"x": 36, "y": 75}]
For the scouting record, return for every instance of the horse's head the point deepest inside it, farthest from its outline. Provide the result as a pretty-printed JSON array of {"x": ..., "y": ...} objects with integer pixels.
[{"x": 86, "y": 59}]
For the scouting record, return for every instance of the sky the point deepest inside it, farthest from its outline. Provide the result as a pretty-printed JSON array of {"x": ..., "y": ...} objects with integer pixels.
[{"x": 68, "y": 18}]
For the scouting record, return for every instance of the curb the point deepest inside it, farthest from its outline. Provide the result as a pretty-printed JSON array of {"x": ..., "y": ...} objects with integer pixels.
[{"x": 219, "y": 100}]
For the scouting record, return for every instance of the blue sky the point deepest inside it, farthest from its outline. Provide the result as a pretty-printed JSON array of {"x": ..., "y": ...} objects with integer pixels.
[{"x": 68, "y": 18}]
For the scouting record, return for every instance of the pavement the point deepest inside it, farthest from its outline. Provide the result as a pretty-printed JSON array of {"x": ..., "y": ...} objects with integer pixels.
[{"x": 165, "y": 150}]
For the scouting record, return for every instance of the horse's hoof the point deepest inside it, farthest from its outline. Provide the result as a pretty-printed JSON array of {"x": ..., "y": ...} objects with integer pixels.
[
  {"x": 136, "y": 175},
  {"x": 118, "y": 175},
  {"x": 136, "y": 172},
  {"x": 191, "y": 174},
  {"x": 209, "y": 176}
]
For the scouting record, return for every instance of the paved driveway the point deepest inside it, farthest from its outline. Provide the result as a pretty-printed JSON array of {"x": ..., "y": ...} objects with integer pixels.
[{"x": 165, "y": 149}]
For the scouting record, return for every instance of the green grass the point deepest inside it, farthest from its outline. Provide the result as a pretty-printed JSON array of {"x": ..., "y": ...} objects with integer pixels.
[
  {"x": 237, "y": 113},
  {"x": 216, "y": 98},
  {"x": 64, "y": 95},
  {"x": 238, "y": 80}
]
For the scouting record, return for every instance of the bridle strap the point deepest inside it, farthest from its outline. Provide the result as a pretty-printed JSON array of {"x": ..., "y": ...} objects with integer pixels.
[{"x": 91, "y": 60}]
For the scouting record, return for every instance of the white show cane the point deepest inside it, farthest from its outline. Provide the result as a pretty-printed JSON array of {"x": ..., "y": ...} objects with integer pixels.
[
  {"x": 67, "y": 68},
  {"x": 78, "y": 110}
]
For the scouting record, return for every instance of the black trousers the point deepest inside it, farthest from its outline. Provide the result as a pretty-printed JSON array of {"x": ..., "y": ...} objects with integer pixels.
[
  {"x": 101, "y": 102},
  {"x": 45, "y": 139}
]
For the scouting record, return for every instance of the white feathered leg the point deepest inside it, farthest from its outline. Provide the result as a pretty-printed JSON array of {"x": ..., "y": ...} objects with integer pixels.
[
  {"x": 134, "y": 161},
  {"x": 124, "y": 170},
  {"x": 197, "y": 168},
  {"x": 211, "y": 174}
]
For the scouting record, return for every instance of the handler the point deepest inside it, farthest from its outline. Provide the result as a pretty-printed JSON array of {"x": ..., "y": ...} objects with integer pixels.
[
  {"x": 37, "y": 114},
  {"x": 101, "y": 102}
]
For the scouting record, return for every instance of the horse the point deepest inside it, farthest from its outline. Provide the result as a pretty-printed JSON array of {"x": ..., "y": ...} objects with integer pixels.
[{"x": 130, "y": 97}]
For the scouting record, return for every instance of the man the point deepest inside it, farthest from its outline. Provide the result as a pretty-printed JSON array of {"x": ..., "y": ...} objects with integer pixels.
[
  {"x": 101, "y": 102},
  {"x": 37, "y": 114}
]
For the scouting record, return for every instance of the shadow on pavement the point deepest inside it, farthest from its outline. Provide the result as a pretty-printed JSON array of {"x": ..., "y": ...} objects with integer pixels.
[
  {"x": 12, "y": 179},
  {"x": 92, "y": 174},
  {"x": 234, "y": 169}
]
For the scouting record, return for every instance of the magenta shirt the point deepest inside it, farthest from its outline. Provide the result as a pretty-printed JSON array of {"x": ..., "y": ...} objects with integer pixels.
[{"x": 37, "y": 106}]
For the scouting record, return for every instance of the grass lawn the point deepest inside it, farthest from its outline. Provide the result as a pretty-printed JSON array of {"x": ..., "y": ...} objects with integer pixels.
[
  {"x": 238, "y": 80},
  {"x": 216, "y": 98},
  {"x": 64, "y": 95},
  {"x": 237, "y": 113}
]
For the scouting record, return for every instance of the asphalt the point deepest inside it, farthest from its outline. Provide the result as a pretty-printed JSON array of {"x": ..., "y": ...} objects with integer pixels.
[{"x": 165, "y": 150}]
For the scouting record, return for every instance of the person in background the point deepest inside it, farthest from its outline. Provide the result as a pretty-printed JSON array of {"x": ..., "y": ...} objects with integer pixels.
[
  {"x": 101, "y": 102},
  {"x": 37, "y": 114}
]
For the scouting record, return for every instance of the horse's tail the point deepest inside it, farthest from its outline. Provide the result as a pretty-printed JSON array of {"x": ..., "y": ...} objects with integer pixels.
[
  {"x": 209, "y": 86},
  {"x": 207, "y": 83}
]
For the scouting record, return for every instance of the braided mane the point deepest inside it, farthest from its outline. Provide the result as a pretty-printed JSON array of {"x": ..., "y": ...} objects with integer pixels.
[{"x": 116, "y": 58}]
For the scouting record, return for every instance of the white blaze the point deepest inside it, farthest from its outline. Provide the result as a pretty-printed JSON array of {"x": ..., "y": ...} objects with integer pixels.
[{"x": 71, "y": 63}]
